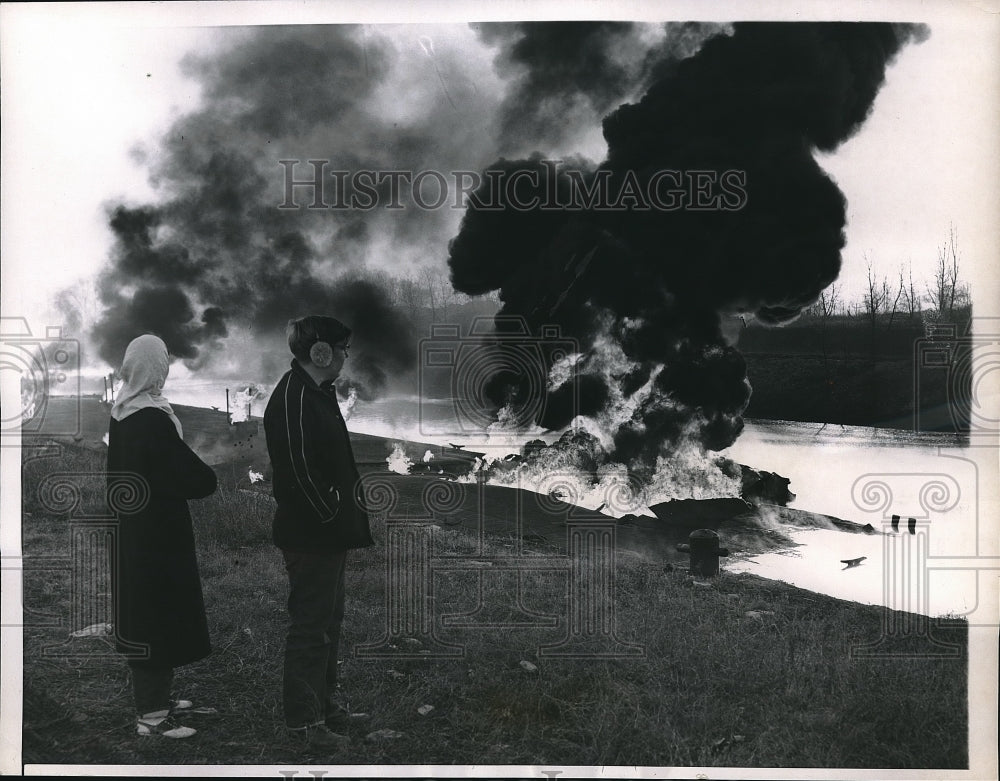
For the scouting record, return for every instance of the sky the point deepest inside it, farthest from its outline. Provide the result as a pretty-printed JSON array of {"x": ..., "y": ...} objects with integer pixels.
[{"x": 86, "y": 87}]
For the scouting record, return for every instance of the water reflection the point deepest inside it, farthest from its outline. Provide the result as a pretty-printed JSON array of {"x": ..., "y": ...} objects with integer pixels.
[{"x": 863, "y": 475}]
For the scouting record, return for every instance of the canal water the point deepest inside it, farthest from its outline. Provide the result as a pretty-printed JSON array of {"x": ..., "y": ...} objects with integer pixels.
[{"x": 948, "y": 566}]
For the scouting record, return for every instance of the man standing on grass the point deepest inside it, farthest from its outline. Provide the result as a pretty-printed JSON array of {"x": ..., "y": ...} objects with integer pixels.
[{"x": 319, "y": 518}]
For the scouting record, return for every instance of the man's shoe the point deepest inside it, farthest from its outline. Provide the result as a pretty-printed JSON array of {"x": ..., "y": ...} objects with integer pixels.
[{"x": 321, "y": 737}]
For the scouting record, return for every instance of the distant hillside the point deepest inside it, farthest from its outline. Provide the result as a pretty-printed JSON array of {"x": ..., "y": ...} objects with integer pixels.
[{"x": 910, "y": 374}]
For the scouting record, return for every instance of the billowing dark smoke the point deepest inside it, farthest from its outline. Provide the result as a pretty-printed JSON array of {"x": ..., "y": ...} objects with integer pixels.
[
  {"x": 215, "y": 255},
  {"x": 564, "y": 74},
  {"x": 653, "y": 280},
  {"x": 557, "y": 67}
]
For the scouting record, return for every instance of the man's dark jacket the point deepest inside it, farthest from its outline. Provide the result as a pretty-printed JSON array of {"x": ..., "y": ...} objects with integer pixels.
[{"x": 315, "y": 479}]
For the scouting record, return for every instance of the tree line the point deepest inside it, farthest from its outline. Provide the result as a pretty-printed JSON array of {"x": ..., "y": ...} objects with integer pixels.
[{"x": 886, "y": 300}]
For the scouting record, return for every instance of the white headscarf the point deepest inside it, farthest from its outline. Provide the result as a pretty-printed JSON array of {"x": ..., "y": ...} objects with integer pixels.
[{"x": 144, "y": 370}]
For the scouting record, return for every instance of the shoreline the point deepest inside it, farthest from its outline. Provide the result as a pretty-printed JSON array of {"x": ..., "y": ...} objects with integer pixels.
[
  {"x": 791, "y": 533},
  {"x": 887, "y": 435}
]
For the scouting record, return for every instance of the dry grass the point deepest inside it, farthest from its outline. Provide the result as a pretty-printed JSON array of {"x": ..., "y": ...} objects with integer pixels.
[{"x": 713, "y": 687}]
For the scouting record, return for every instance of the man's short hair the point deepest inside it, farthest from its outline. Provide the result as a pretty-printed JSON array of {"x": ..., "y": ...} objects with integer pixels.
[{"x": 306, "y": 331}]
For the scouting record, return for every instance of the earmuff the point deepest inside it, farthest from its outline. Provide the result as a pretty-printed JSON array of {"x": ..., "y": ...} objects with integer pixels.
[{"x": 321, "y": 354}]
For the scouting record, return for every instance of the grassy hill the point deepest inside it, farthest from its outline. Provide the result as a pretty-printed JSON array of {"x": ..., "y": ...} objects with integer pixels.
[{"x": 735, "y": 671}]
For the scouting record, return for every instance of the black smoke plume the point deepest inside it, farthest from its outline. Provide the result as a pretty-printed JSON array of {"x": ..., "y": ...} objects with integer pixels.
[
  {"x": 566, "y": 74},
  {"x": 215, "y": 257},
  {"x": 654, "y": 282}
]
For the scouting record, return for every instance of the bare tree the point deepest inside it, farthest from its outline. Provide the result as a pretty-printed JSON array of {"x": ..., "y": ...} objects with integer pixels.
[
  {"x": 447, "y": 296},
  {"x": 824, "y": 306},
  {"x": 900, "y": 294},
  {"x": 426, "y": 292},
  {"x": 430, "y": 287},
  {"x": 876, "y": 299},
  {"x": 824, "y": 309},
  {"x": 946, "y": 290},
  {"x": 829, "y": 301},
  {"x": 910, "y": 296},
  {"x": 409, "y": 294}
]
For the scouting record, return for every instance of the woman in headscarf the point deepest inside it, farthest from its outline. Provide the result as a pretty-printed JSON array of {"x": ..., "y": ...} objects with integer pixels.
[{"x": 160, "y": 614}]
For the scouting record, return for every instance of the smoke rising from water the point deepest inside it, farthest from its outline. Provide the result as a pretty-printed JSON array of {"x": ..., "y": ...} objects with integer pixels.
[
  {"x": 214, "y": 260},
  {"x": 655, "y": 283}
]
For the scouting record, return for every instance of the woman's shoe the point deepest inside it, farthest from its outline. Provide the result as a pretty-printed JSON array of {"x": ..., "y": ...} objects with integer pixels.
[{"x": 162, "y": 724}]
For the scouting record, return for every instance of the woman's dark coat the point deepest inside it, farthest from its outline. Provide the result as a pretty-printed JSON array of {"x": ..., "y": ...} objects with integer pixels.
[{"x": 160, "y": 614}]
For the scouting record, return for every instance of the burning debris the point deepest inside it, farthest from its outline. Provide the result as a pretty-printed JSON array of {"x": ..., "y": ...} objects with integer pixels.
[
  {"x": 398, "y": 461},
  {"x": 347, "y": 406},
  {"x": 643, "y": 290},
  {"x": 241, "y": 402},
  {"x": 577, "y": 469}
]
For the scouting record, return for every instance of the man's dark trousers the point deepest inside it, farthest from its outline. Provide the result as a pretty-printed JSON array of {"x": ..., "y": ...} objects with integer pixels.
[{"x": 316, "y": 608}]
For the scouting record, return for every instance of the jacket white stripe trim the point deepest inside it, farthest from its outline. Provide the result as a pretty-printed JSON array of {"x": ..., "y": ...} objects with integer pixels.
[
  {"x": 291, "y": 453},
  {"x": 302, "y": 435}
]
